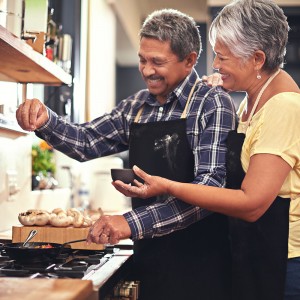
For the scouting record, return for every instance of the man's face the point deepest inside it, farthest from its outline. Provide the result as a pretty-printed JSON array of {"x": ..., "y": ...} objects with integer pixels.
[{"x": 160, "y": 67}]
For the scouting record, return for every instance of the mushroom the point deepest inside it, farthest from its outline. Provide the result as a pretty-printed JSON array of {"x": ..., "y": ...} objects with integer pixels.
[
  {"x": 26, "y": 218},
  {"x": 78, "y": 219},
  {"x": 59, "y": 218},
  {"x": 34, "y": 217},
  {"x": 87, "y": 221},
  {"x": 42, "y": 218}
]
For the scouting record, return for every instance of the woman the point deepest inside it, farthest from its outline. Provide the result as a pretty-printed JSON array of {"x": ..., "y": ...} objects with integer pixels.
[{"x": 249, "y": 38}]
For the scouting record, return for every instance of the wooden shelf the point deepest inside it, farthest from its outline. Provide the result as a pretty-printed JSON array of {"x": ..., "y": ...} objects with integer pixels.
[
  {"x": 12, "y": 129},
  {"x": 20, "y": 63}
]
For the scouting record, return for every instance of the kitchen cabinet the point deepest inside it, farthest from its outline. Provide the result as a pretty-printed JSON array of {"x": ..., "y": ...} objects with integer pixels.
[{"x": 20, "y": 63}]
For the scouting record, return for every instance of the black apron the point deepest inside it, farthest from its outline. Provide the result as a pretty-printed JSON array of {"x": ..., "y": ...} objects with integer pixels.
[
  {"x": 259, "y": 249},
  {"x": 192, "y": 263}
]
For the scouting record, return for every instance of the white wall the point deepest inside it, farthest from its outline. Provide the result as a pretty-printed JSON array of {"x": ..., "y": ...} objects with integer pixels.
[
  {"x": 101, "y": 59},
  {"x": 15, "y": 155}
]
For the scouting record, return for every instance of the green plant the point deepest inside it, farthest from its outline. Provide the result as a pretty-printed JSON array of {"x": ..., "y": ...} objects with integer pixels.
[{"x": 42, "y": 159}]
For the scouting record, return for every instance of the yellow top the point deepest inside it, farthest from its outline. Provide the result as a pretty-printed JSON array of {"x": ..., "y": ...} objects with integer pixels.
[{"x": 275, "y": 129}]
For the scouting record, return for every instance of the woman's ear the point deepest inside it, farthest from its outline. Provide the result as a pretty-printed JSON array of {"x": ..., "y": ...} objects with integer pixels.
[{"x": 259, "y": 59}]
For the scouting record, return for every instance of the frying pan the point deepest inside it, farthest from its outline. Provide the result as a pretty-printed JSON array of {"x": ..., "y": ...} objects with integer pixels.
[{"x": 30, "y": 254}]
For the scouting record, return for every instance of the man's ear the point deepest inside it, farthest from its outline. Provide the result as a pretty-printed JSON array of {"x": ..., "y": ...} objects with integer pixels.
[{"x": 191, "y": 59}]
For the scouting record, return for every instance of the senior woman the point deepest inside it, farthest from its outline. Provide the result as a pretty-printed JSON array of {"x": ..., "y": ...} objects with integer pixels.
[{"x": 249, "y": 39}]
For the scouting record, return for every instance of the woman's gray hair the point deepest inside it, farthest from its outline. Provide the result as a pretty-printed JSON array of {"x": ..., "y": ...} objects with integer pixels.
[
  {"x": 174, "y": 26},
  {"x": 245, "y": 26}
]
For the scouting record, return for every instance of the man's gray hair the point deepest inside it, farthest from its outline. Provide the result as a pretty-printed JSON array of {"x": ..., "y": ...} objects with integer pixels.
[
  {"x": 246, "y": 26},
  {"x": 174, "y": 26}
]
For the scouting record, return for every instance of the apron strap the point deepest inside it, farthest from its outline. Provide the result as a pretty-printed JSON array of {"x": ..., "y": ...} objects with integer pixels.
[
  {"x": 183, "y": 115},
  {"x": 258, "y": 98},
  {"x": 137, "y": 117}
]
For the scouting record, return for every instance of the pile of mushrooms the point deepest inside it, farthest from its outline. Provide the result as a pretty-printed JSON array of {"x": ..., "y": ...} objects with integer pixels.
[{"x": 58, "y": 218}]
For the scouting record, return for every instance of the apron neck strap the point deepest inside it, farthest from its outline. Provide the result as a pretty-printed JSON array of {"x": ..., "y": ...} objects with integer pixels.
[
  {"x": 137, "y": 117},
  {"x": 259, "y": 96},
  {"x": 183, "y": 115}
]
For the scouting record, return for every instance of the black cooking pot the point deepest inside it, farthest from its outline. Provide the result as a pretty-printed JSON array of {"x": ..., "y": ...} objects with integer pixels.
[{"x": 33, "y": 252}]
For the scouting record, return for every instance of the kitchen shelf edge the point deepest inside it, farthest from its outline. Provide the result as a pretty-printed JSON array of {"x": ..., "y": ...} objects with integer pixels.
[{"x": 20, "y": 63}]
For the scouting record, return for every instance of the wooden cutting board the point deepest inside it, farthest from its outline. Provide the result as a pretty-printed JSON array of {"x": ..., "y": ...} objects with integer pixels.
[
  {"x": 46, "y": 289},
  {"x": 52, "y": 234}
]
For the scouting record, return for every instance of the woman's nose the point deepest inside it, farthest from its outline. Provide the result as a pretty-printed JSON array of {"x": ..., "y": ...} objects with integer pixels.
[{"x": 215, "y": 63}]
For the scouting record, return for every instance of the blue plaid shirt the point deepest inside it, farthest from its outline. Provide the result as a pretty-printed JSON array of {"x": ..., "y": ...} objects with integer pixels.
[{"x": 210, "y": 115}]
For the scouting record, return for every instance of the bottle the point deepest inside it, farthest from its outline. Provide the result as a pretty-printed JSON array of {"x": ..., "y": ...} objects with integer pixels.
[
  {"x": 83, "y": 197},
  {"x": 57, "y": 44},
  {"x": 51, "y": 35}
]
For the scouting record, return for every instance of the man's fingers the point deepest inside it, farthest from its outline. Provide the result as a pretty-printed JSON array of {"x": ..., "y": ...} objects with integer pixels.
[
  {"x": 31, "y": 114},
  {"x": 26, "y": 115}
]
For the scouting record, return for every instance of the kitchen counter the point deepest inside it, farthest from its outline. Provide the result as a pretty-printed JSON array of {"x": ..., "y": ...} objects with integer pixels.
[
  {"x": 46, "y": 289},
  {"x": 6, "y": 235}
]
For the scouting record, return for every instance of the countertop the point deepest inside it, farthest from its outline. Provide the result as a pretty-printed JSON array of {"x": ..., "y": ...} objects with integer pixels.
[
  {"x": 6, "y": 235},
  {"x": 46, "y": 289}
]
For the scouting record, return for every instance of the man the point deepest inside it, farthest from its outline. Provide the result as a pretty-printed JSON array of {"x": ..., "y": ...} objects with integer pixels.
[{"x": 176, "y": 128}]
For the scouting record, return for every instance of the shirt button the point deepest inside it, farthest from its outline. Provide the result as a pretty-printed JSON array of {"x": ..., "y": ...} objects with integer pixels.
[{"x": 161, "y": 109}]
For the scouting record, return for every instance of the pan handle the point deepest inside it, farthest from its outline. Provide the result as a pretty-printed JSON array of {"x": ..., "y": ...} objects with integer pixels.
[{"x": 70, "y": 242}]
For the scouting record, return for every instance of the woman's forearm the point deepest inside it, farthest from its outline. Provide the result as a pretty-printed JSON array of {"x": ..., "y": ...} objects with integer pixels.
[{"x": 235, "y": 203}]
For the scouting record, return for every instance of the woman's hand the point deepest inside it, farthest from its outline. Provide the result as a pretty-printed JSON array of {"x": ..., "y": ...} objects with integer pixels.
[
  {"x": 152, "y": 186},
  {"x": 213, "y": 80}
]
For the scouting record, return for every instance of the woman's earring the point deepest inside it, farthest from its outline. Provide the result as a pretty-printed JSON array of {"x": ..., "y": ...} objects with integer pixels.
[{"x": 258, "y": 76}]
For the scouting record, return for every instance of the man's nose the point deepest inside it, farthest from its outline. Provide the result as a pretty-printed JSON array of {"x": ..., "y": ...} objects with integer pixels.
[{"x": 148, "y": 69}]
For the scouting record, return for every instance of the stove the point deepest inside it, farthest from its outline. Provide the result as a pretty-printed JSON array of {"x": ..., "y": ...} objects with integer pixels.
[{"x": 105, "y": 268}]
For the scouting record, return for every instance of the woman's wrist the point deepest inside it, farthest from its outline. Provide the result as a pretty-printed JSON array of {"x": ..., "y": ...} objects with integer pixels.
[{"x": 170, "y": 185}]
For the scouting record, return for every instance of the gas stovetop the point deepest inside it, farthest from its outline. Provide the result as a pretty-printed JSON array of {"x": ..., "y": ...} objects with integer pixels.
[
  {"x": 105, "y": 268},
  {"x": 75, "y": 264}
]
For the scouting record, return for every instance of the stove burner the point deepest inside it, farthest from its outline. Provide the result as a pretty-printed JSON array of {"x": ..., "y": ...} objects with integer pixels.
[
  {"x": 75, "y": 264},
  {"x": 46, "y": 275}
]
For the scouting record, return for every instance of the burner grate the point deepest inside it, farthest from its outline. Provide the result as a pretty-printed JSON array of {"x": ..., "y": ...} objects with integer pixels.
[{"x": 74, "y": 264}]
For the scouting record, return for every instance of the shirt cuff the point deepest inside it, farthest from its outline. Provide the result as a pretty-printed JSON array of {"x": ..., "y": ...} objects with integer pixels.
[
  {"x": 50, "y": 124},
  {"x": 140, "y": 222}
]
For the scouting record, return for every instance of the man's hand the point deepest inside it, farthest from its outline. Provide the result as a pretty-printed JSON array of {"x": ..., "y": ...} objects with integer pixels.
[
  {"x": 109, "y": 230},
  {"x": 213, "y": 80},
  {"x": 32, "y": 114}
]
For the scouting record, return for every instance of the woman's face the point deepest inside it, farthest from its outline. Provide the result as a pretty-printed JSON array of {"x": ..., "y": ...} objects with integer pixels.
[
  {"x": 160, "y": 67},
  {"x": 237, "y": 75}
]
